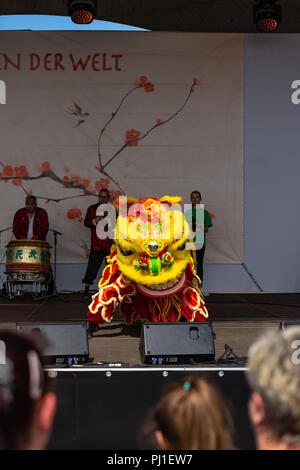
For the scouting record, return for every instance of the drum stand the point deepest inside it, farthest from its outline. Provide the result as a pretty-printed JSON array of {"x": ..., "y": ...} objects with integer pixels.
[
  {"x": 4, "y": 284},
  {"x": 53, "y": 274}
]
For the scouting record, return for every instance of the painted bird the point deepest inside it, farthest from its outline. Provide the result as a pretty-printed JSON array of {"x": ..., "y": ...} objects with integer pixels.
[{"x": 77, "y": 111}]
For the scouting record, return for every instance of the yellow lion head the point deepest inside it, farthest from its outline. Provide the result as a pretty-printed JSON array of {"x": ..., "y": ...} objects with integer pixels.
[
  {"x": 150, "y": 241},
  {"x": 150, "y": 275}
]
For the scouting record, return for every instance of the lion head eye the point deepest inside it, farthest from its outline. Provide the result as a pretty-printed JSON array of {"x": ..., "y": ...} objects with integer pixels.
[
  {"x": 125, "y": 252},
  {"x": 181, "y": 247}
]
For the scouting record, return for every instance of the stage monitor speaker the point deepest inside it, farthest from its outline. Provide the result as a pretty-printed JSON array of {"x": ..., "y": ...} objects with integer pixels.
[
  {"x": 66, "y": 343},
  {"x": 288, "y": 324},
  {"x": 177, "y": 343}
]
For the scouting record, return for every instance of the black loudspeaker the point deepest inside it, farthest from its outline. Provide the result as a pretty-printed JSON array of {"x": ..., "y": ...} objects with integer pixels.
[
  {"x": 287, "y": 324},
  {"x": 66, "y": 343},
  {"x": 177, "y": 343}
]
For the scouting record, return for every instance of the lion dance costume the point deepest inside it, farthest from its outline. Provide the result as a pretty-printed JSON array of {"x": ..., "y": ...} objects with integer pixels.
[{"x": 150, "y": 275}]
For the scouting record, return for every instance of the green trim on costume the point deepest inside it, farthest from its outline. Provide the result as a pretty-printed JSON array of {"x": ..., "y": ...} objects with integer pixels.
[{"x": 154, "y": 266}]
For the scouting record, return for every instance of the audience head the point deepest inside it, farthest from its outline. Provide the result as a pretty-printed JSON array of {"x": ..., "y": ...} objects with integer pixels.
[
  {"x": 27, "y": 402},
  {"x": 274, "y": 377},
  {"x": 191, "y": 416}
]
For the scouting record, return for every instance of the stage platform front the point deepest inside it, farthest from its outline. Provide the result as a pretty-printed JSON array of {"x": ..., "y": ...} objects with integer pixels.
[
  {"x": 107, "y": 408},
  {"x": 237, "y": 320}
]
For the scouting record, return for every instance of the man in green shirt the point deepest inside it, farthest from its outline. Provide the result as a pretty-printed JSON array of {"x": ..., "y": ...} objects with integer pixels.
[{"x": 201, "y": 222}]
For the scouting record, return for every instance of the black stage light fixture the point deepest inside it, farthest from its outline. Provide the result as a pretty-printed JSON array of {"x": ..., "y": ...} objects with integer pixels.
[
  {"x": 82, "y": 12},
  {"x": 266, "y": 15}
]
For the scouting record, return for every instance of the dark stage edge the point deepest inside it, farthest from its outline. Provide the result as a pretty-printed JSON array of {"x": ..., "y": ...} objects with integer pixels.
[{"x": 222, "y": 307}]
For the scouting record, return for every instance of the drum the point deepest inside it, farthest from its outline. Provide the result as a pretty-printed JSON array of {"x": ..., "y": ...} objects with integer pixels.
[{"x": 28, "y": 260}]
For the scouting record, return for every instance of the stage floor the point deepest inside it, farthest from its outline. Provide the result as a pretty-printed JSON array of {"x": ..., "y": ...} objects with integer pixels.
[{"x": 238, "y": 319}]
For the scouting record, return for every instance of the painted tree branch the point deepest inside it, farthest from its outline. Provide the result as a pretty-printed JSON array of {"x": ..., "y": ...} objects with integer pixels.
[
  {"x": 64, "y": 198},
  {"x": 50, "y": 174},
  {"x": 111, "y": 118},
  {"x": 75, "y": 184},
  {"x": 151, "y": 129},
  {"x": 112, "y": 179}
]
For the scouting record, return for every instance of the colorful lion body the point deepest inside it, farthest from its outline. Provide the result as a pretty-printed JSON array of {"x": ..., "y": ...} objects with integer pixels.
[{"x": 150, "y": 275}]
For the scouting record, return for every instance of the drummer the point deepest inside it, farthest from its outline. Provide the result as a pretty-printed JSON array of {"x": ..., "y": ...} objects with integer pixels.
[{"x": 31, "y": 222}]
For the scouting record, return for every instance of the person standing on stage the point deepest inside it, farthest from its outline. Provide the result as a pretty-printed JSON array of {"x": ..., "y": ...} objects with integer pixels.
[
  {"x": 99, "y": 248},
  {"x": 201, "y": 222},
  {"x": 31, "y": 222}
]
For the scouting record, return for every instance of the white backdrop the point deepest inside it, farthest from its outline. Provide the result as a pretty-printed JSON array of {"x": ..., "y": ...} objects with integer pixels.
[{"x": 201, "y": 148}]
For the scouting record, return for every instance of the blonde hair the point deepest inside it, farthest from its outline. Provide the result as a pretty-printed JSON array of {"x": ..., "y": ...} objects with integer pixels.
[
  {"x": 191, "y": 416},
  {"x": 274, "y": 374}
]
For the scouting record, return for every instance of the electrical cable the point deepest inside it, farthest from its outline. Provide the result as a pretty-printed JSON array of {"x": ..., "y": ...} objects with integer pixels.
[{"x": 229, "y": 357}]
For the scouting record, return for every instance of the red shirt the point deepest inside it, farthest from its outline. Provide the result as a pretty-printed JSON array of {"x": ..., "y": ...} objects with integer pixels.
[
  {"x": 40, "y": 224},
  {"x": 96, "y": 243}
]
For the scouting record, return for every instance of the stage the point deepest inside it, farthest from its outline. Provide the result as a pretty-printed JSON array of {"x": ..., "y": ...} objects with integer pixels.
[{"x": 237, "y": 320}]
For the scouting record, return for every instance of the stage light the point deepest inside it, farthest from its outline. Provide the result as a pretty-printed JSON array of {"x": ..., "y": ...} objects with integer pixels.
[
  {"x": 82, "y": 12},
  {"x": 266, "y": 15}
]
